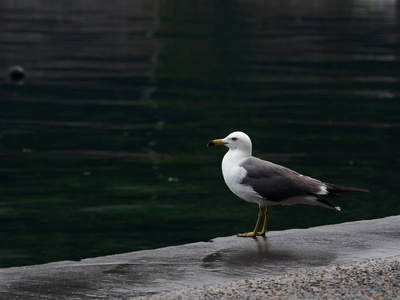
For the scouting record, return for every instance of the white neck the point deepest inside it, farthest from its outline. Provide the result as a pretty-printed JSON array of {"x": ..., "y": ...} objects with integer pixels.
[{"x": 232, "y": 158}]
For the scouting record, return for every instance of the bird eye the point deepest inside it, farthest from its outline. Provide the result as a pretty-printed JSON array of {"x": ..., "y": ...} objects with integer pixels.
[{"x": 234, "y": 139}]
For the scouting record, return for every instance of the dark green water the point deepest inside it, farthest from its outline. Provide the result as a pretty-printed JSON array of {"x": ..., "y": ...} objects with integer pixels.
[{"x": 103, "y": 149}]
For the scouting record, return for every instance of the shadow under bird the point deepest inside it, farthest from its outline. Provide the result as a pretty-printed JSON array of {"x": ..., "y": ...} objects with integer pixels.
[{"x": 265, "y": 183}]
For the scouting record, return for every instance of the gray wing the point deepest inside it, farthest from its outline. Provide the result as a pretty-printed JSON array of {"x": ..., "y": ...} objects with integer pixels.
[{"x": 277, "y": 183}]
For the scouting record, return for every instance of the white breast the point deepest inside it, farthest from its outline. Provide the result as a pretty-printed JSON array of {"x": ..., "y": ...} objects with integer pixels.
[{"x": 233, "y": 175}]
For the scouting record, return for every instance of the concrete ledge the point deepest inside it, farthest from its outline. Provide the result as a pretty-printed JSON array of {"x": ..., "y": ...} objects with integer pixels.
[{"x": 204, "y": 263}]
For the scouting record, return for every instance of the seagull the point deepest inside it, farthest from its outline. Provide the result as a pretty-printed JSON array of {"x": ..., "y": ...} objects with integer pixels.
[{"x": 265, "y": 183}]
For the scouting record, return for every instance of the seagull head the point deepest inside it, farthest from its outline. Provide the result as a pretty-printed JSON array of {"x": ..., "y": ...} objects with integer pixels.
[{"x": 235, "y": 141}]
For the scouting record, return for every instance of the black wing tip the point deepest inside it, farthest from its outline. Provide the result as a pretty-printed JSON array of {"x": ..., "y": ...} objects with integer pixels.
[{"x": 332, "y": 189}]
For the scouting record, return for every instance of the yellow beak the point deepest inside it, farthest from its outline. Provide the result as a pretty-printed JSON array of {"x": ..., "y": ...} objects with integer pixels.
[{"x": 218, "y": 142}]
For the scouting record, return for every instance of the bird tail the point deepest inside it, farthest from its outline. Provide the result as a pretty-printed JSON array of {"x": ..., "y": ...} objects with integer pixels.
[
  {"x": 334, "y": 192},
  {"x": 328, "y": 204}
]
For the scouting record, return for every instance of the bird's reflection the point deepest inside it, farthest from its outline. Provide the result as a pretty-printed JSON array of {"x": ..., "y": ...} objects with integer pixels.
[{"x": 263, "y": 255}]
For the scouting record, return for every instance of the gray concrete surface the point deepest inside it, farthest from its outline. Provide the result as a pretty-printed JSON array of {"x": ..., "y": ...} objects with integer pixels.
[
  {"x": 368, "y": 279},
  {"x": 198, "y": 264}
]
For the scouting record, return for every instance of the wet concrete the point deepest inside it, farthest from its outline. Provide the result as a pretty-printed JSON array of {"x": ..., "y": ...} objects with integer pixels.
[{"x": 222, "y": 259}]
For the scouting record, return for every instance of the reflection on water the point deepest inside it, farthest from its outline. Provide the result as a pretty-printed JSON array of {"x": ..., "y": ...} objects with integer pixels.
[{"x": 103, "y": 149}]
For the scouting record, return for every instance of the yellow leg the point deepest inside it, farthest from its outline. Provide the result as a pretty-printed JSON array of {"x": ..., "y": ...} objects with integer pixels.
[
  {"x": 254, "y": 233},
  {"x": 264, "y": 229}
]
